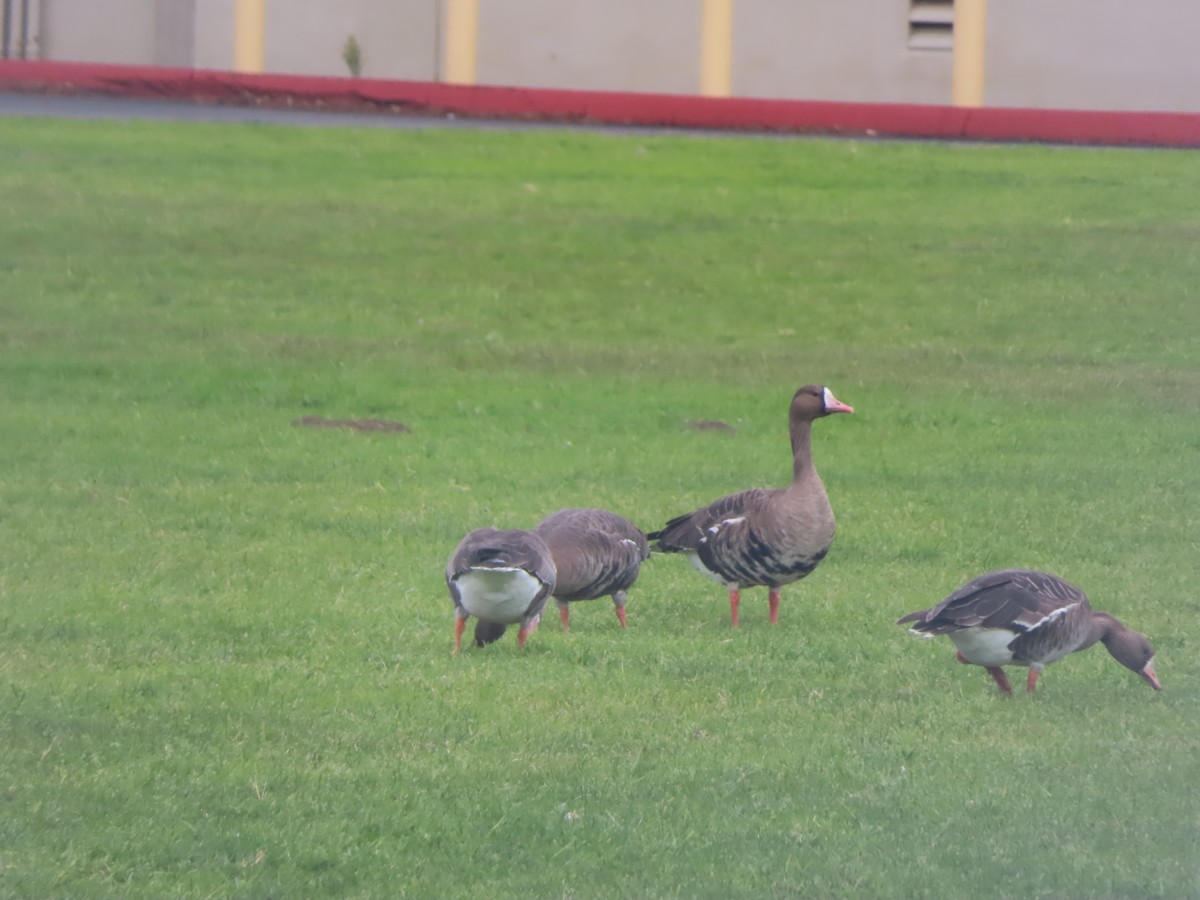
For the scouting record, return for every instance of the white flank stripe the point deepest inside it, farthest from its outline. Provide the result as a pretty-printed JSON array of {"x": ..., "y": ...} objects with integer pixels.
[
  {"x": 715, "y": 528},
  {"x": 1061, "y": 611}
]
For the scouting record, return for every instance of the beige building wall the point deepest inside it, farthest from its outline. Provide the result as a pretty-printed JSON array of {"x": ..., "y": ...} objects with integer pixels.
[
  {"x": 397, "y": 38},
  {"x": 1094, "y": 54},
  {"x": 175, "y": 33},
  {"x": 115, "y": 31},
  {"x": 813, "y": 50},
  {"x": 213, "y": 31},
  {"x": 180, "y": 33},
  {"x": 609, "y": 45},
  {"x": 1082, "y": 54}
]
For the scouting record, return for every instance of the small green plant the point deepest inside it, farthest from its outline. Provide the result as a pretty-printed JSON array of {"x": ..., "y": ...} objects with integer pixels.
[{"x": 352, "y": 55}]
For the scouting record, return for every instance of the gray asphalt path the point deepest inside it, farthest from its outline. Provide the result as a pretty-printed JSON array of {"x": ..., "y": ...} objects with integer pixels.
[
  {"x": 65, "y": 106},
  {"x": 91, "y": 106}
]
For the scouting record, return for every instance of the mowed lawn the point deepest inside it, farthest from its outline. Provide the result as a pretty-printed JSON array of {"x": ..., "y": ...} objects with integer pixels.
[{"x": 225, "y": 640}]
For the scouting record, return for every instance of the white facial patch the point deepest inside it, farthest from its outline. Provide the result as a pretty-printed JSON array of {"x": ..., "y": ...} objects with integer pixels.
[{"x": 827, "y": 397}]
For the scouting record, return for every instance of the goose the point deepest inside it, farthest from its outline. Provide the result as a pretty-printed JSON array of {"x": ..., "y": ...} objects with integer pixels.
[
  {"x": 1019, "y": 617},
  {"x": 764, "y": 537},
  {"x": 596, "y": 553},
  {"x": 501, "y": 578}
]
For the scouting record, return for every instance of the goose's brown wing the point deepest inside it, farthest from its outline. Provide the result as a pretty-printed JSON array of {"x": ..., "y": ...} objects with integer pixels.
[
  {"x": 596, "y": 552},
  {"x": 683, "y": 533},
  {"x": 1017, "y": 599}
]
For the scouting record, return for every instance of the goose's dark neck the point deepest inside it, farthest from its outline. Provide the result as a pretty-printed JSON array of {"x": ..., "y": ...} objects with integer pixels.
[
  {"x": 801, "y": 434},
  {"x": 1102, "y": 627}
]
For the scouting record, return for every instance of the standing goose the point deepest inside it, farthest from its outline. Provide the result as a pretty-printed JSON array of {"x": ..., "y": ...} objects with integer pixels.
[
  {"x": 501, "y": 578},
  {"x": 1018, "y": 617},
  {"x": 596, "y": 553},
  {"x": 764, "y": 537}
]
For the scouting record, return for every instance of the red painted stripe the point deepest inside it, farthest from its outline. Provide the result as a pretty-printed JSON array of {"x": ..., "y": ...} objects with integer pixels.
[{"x": 1165, "y": 129}]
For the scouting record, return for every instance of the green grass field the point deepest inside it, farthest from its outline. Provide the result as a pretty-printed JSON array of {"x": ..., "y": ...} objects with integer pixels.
[{"x": 225, "y": 642}]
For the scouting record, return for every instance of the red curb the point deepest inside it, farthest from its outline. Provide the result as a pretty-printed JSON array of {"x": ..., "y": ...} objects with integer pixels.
[{"x": 1160, "y": 129}]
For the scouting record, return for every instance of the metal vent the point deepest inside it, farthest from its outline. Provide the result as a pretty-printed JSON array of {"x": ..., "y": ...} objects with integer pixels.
[{"x": 931, "y": 25}]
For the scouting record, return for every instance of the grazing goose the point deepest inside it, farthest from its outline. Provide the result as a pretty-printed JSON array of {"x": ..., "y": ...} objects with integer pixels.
[
  {"x": 500, "y": 577},
  {"x": 596, "y": 553},
  {"x": 1017, "y": 617},
  {"x": 764, "y": 537}
]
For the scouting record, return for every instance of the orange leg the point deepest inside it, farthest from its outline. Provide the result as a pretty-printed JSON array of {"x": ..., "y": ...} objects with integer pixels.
[
  {"x": 620, "y": 610},
  {"x": 526, "y": 631},
  {"x": 734, "y": 599},
  {"x": 996, "y": 672},
  {"x": 564, "y": 613},
  {"x": 773, "y": 604},
  {"x": 460, "y": 623},
  {"x": 1000, "y": 678},
  {"x": 1031, "y": 681}
]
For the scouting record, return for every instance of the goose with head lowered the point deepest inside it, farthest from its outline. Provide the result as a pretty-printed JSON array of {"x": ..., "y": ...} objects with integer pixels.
[
  {"x": 596, "y": 553},
  {"x": 764, "y": 537},
  {"x": 1019, "y": 617},
  {"x": 502, "y": 578}
]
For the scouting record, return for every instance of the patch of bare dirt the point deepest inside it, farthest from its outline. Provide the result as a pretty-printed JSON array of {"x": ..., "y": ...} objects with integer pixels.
[
  {"x": 353, "y": 424},
  {"x": 710, "y": 425}
]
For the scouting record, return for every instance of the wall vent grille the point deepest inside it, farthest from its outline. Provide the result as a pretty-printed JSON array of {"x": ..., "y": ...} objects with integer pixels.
[{"x": 931, "y": 25}]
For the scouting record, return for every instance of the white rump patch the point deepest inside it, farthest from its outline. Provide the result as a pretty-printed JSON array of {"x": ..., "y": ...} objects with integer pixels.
[
  {"x": 499, "y": 595},
  {"x": 984, "y": 646}
]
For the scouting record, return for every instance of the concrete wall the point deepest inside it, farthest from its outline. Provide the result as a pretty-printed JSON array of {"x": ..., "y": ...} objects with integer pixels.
[
  {"x": 397, "y": 39},
  {"x": 812, "y": 50},
  {"x": 611, "y": 45},
  {"x": 115, "y": 31},
  {"x": 1073, "y": 54},
  {"x": 1094, "y": 54},
  {"x": 213, "y": 29},
  {"x": 175, "y": 33}
]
